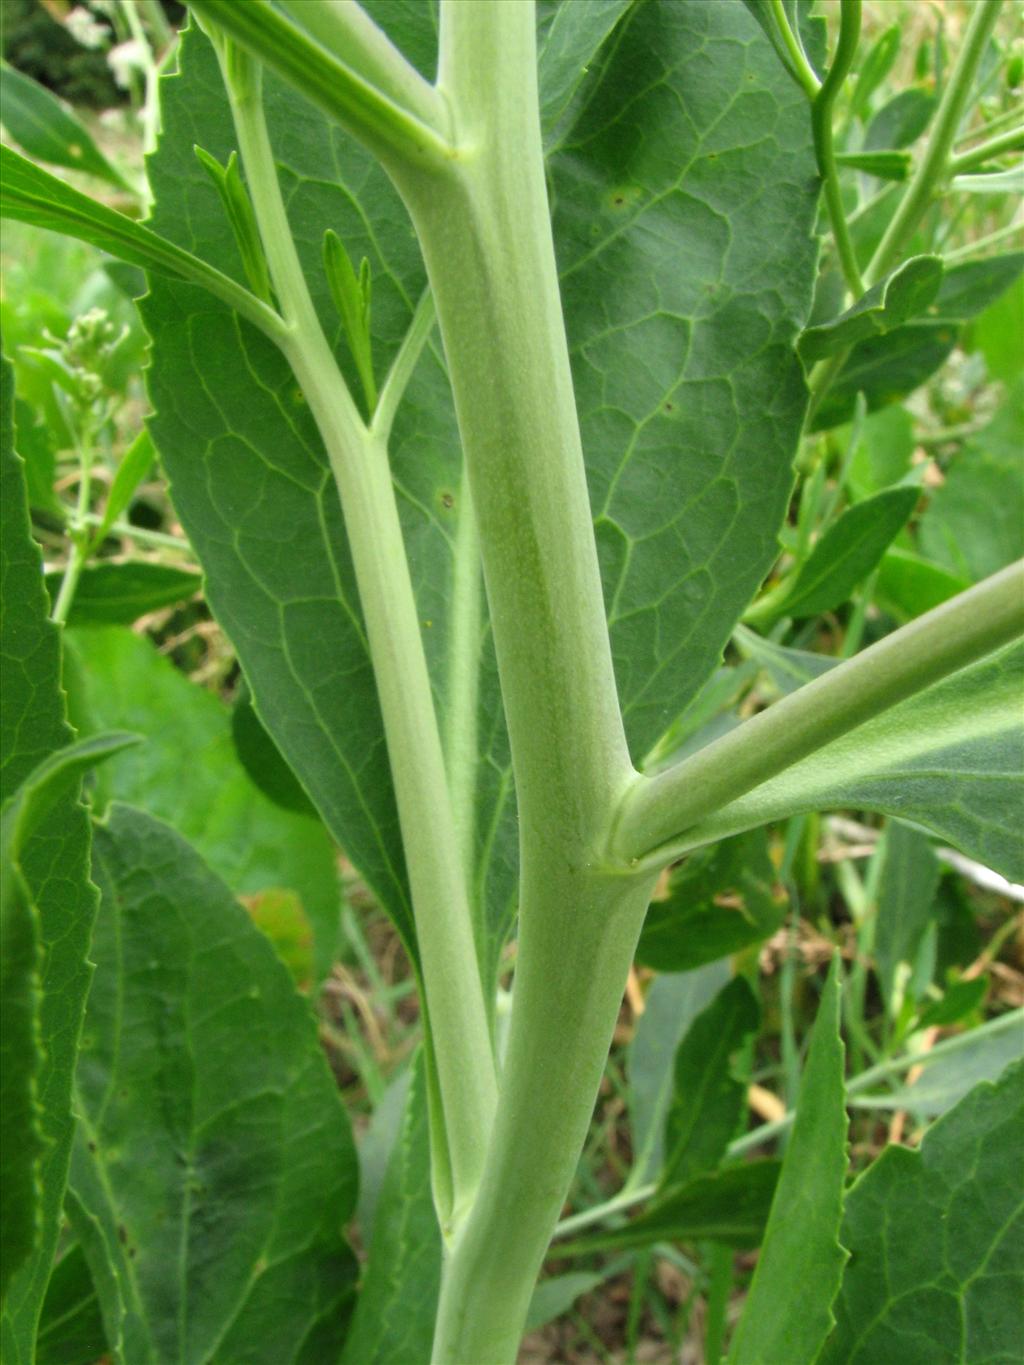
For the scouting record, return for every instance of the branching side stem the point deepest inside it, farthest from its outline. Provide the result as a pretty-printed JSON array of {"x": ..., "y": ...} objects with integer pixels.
[
  {"x": 824, "y": 148},
  {"x": 933, "y": 167},
  {"x": 358, "y": 456},
  {"x": 660, "y": 809}
]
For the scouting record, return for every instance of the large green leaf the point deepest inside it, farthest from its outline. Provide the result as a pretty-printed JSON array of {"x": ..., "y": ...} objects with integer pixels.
[
  {"x": 118, "y": 679},
  {"x": 719, "y": 900},
  {"x": 53, "y": 873},
  {"x": 710, "y": 1089},
  {"x": 564, "y": 48},
  {"x": 974, "y": 525},
  {"x": 788, "y": 1312},
  {"x": 394, "y": 1318},
  {"x": 248, "y": 473},
  {"x": 213, "y": 1168},
  {"x": 681, "y": 325},
  {"x": 950, "y": 759},
  {"x": 683, "y": 218},
  {"x": 937, "y": 1242}
]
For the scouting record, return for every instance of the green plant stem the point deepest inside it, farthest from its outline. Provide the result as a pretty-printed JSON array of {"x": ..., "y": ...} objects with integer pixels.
[
  {"x": 484, "y": 225},
  {"x": 78, "y": 531},
  {"x": 402, "y": 367},
  {"x": 757, "y": 1137},
  {"x": 804, "y": 71},
  {"x": 158, "y": 539},
  {"x": 824, "y": 148},
  {"x": 932, "y": 169},
  {"x": 1011, "y": 141},
  {"x": 348, "y": 33},
  {"x": 359, "y": 461},
  {"x": 658, "y": 810},
  {"x": 391, "y": 130}
]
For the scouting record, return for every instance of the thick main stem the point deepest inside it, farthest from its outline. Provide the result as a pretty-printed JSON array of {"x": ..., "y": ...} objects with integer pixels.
[{"x": 485, "y": 228}]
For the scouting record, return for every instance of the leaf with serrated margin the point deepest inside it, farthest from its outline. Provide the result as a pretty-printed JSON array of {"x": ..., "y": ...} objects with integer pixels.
[
  {"x": 950, "y": 758},
  {"x": 683, "y": 215},
  {"x": 54, "y": 871},
  {"x": 788, "y": 1311},
  {"x": 118, "y": 678},
  {"x": 394, "y": 1317},
  {"x": 213, "y": 1167},
  {"x": 846, "y": 554},
  {"x": 901, "y": 296},
  {"x": 709, "y": 1093},
  {"x": 937, "y": 1242}
]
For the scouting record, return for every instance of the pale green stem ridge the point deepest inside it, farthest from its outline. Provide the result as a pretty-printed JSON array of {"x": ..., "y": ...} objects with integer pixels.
[
  {"x": 824, "y": 149},
  {"x": 657, "y": 811},
  {"x": 390, "y": 130},
  {"x": 933, "y": 167},
  {"x": 804, "y": 71},
  {"x": 402, "y": 367},
  {"x": 639, "y": 1194},
  {"x": 346, "y": 30},
  {"x": 79, "y": 533},
  {"x": 1011, "y": 141},
  {"x": 359, "y": 461},
  {"x": 464, "y": 677},
  {"x": 485, "y": 228}
]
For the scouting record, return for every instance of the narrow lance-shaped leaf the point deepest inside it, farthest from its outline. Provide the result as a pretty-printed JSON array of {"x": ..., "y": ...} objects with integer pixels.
[
  {"x": 788, "y": 1311},
  {"x": 710, "y": 1090},
  {"x": 118, "y": 594},
  {"x": 907, "y": 883},
  {"x": 30, "y": 195},
  {"x": 238, "y": 207},
  {"x": 200, "y": 1068},
  {"x": 40, "y": 123},
  {"x": 843, "y": 557},
  {"x": 394, "y": 1318},
  {"x": 937, "y": 1241}
]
